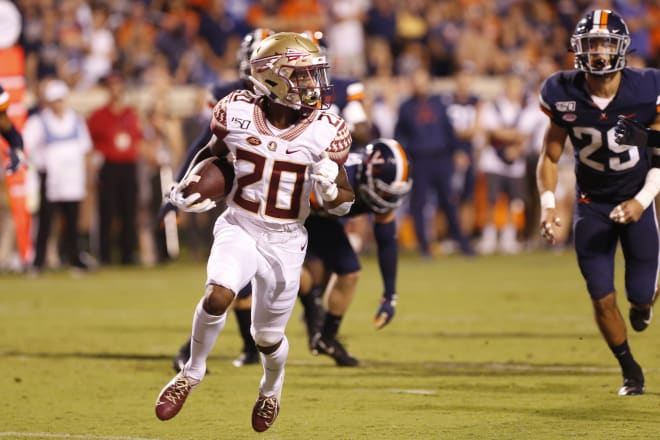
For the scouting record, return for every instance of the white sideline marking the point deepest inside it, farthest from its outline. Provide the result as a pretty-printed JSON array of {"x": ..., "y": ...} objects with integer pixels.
[
  {"x": 412, "y": 391},
  {"x": 74, "y": 436}
]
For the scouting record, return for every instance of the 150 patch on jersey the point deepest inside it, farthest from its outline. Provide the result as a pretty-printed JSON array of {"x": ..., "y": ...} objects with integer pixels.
[{"x": 565, "y": 106}]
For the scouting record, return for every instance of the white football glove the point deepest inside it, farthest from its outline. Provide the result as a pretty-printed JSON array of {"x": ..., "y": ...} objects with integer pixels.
[
  {"x": 324, "y": 173},
  {"x": 326, "y": 168},
  {"x": 190, "y": 203}
]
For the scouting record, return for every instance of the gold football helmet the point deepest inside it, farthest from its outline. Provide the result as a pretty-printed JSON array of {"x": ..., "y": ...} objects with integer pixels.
[{"x": 290, "y": 70}]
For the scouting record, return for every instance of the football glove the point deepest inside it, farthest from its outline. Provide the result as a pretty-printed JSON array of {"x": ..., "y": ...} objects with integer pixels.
[
  {"x": 324, "y": 173},
  {"x": 385, "y": 312},
  {"x": 327, "y": 189},
  {"x": 16, "y": 160},
  {"x": 190, "y": 203},
  {"x": 630, "y": 132}
]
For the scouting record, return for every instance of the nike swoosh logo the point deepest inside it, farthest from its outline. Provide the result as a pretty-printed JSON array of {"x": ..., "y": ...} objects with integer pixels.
[
  {"x": 302, "y": 248},
  {"x": 292, "y": 151}
]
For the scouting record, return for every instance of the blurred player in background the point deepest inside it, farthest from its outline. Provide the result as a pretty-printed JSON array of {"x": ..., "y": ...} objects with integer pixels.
[
  {"x": 284, "y": 145},
  {"x": 616, "y": 181},
  {"x": 11, "y": 135},
  {"x": 380, "y": 177}
]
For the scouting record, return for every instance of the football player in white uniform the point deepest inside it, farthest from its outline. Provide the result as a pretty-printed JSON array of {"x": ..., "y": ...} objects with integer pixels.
[{"x": 283, "y": 145}]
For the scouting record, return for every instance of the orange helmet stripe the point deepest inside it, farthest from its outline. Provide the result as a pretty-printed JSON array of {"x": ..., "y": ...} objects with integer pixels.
[{"x": 404, "y": 162}]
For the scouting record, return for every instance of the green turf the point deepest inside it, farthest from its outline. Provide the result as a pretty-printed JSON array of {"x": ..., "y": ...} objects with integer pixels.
[{"x": 489, "y": 348}]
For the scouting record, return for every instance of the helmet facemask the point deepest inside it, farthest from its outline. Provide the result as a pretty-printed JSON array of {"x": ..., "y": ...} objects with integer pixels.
[{"x": 600, "y": 53}]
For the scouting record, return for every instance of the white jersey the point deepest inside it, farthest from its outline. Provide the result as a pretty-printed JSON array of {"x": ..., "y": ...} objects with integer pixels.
[
  {"x": 272, "y": 166},
  {"x": 57, "y": 146}
]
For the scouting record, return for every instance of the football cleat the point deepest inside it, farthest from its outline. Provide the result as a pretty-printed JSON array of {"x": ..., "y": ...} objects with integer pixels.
[
  {"x": 174, "y": 395},
  {"x": 265, "y": 412},
  {"x": 640, "y": 318},
  {"x": 632, "y": 387},
  {"x": 334, "y": 349},
  {"x": 246, "y": 358}
]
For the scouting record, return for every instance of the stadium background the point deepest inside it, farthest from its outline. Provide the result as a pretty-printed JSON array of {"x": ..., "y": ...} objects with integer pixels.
[{"x": 171, "y": 51}]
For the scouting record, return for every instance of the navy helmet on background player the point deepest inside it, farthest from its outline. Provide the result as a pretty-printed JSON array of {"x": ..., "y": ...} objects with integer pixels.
[
  {"x": 250, "y": 42},
  {"x": 282, "y": 66},
  {"x": 385, "y": 175},
  {"x": 600, "y": 42}
]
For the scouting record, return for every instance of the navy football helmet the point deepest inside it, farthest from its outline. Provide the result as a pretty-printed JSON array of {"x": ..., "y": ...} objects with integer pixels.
[
  {"x": 600, "y": 42},
  {"x": 384, "y": 175},
  {"x": 249, "y": 43}
]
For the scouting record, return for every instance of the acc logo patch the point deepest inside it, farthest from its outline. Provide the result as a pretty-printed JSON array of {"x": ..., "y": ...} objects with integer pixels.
[
  {"x": 253, "y": 140},
  {"x": 565, "y": 106},
  {"x": 569, "y": 117}
]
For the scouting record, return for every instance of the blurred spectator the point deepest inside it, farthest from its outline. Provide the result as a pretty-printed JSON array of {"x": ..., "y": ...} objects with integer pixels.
[
  {"x": 58, "y": 144},
  {"x": 345, "y": 37},
  {"x": 464, "y": 108},
  {"x": 220, "y": 35},
  {"x": 444, "y": 32},
  {"x": 72, "y": 42},
  {"x": 101, "y": 49},
  {"x": 44, "y": 59},
  {"x": 176, "y": 33},
  {"x": 116, "y": 134},
  {"x": 637, "y": 14},
  {"x": 136, "y": 39},
  {"x": 478, "y": 42},
  {"x": 424, "y": 128},
  {"x": 286, "y": 15},
  {"x": 503, "y": 163}
]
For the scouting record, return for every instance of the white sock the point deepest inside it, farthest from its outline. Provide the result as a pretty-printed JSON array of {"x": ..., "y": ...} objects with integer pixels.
[
  {"x": 205, "y": 330},
  {"x": 273, "y": 378}
]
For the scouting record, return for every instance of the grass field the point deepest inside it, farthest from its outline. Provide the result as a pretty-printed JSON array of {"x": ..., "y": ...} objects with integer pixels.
[{"x": 489, "y": 348}]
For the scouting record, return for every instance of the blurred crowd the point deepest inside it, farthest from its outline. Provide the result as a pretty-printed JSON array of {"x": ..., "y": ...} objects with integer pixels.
[{"x": 499, "y": 50}]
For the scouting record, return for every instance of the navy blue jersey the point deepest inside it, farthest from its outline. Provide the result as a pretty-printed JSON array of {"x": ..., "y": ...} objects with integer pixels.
[
  {"x": 605, "y": 170},
  {"x": 424, "y": 128}
]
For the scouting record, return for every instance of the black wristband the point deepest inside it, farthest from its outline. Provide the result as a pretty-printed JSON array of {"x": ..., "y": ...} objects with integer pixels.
[{"x": 653, "y": 139}]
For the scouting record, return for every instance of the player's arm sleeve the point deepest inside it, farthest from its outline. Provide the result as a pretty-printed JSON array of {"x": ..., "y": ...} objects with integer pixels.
[
  {"x": 388, "y": 251},
  {"x": 340, "y": 145},
  {"x": 218, "y": 127}
]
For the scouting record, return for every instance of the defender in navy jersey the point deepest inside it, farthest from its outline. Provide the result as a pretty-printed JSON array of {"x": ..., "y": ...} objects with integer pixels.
[
  {"x": 380, "y": 177},
  {"x": 616, "y": 182}
]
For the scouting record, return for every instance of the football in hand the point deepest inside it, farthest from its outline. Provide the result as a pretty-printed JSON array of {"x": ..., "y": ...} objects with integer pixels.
[{"x": 216, "y": 176}]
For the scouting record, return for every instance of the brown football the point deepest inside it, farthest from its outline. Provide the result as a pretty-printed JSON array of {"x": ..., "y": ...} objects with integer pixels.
[{"x": 216, "y": 176}]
